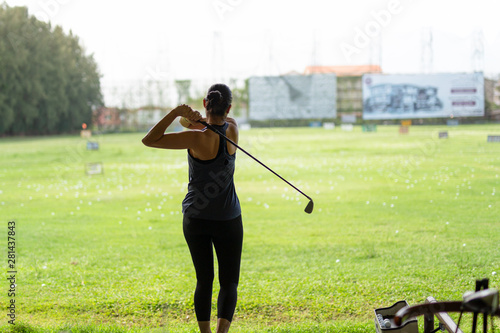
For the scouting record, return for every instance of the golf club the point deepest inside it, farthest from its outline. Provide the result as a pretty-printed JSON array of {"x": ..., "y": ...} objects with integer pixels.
[{"x": 310, "y": 205}]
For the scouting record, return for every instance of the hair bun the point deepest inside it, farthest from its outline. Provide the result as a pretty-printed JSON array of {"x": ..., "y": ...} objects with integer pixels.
[
  {"x": 214, "y": 96},
  {"x": 218, "y": 99}
]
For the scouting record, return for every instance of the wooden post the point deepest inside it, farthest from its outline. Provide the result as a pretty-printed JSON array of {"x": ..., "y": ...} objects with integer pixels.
[{"x": 444, "y": 318}]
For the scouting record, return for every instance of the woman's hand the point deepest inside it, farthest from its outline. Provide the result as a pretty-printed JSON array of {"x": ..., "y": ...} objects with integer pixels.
[{"x": 185, "y": 111}]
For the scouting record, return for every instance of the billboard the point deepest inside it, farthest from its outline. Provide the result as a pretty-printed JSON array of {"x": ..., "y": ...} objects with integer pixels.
[
  {"x": 401, "y": 96},
  {"x": 292, "y": 97}
]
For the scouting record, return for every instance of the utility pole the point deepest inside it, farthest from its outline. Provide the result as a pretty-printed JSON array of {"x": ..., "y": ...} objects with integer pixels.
[{"x": 427, "y": 55}]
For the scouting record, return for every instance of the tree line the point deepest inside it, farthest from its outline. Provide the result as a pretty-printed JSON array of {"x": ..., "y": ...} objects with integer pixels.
[{"x": 48, "y": 85}]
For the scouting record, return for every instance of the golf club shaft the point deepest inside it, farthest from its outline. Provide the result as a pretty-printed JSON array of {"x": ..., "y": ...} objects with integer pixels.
[{"x": 255, "y": 159}]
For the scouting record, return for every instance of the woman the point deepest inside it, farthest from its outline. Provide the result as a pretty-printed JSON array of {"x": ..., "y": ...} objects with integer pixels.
[{"x": 211, "y": 209}]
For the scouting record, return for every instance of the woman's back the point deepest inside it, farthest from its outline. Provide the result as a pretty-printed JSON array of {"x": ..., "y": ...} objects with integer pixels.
[
  {"x": 211, "y": 192},
  {"x": 208, "y": 145}
]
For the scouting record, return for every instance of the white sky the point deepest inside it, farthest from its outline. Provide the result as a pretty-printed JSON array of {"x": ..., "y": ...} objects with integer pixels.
[{"x": 148, "y": 39}]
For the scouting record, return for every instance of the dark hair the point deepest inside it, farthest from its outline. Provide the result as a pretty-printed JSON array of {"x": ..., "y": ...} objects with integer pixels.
[{"x": 218, "y": 99}]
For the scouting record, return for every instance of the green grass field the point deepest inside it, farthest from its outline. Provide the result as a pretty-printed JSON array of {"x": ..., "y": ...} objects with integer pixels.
[{"x": 396, "y": 217}]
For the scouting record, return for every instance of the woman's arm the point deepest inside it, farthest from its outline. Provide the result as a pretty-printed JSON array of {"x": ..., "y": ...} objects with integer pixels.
[{"x": 157, "y": 138}]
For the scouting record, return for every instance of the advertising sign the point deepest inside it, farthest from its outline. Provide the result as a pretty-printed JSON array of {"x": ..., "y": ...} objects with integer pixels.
[{"x": 423, "y": 96}]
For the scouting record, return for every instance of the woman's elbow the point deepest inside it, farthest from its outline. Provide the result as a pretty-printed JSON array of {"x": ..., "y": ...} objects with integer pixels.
[{"x": 147, "y": 142}]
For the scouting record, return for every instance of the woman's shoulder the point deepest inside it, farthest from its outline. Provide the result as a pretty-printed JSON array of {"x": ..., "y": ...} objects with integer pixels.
[
  {"x": 232, "y": 128},
  {"x": 232, "y": 121}
]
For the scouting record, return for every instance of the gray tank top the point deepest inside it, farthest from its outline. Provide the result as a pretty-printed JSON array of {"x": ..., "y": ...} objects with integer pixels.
[{"x": 211, "y": 193}]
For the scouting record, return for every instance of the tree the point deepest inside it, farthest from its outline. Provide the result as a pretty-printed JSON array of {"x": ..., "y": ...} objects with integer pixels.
[
  {"x": 47, "y": 83},
  {"x": 240, "y": 100}
]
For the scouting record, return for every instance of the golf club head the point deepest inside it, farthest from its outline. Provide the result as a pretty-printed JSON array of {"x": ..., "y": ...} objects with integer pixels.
[
  {"x": 484, "y": 301},
  {"x": 310, "y": 207}
]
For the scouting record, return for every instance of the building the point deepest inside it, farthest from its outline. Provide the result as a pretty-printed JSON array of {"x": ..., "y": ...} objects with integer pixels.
[
  {"x": 114, "y": 119},
  {"x": 143, "y": 119},
  {"x": 349, "y": 85},
  {"x": 492, "y": 99},
  {"x": 107, "y": 119}
]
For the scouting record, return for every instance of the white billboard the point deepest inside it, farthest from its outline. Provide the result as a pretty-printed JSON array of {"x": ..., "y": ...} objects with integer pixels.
[
  {"x": 401, "y": 96},
  {"x": 292, "y": 97}
]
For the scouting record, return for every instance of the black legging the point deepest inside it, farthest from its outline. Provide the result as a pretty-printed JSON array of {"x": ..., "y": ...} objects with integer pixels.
[{"x": 227, "y": 238}]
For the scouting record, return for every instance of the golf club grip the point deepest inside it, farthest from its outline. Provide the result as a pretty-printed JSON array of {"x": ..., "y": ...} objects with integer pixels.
[{"x": 243, "y": 150}]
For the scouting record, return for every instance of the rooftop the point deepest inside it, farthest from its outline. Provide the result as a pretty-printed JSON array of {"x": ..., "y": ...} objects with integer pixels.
[{"x": 344, "y": 70}]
